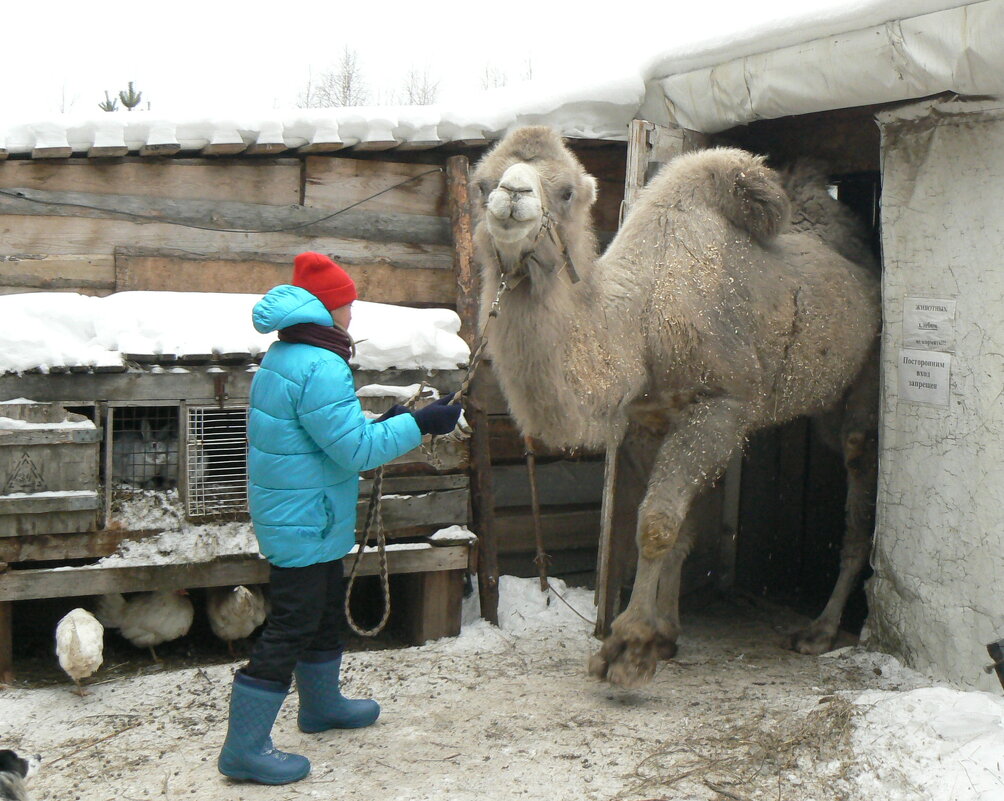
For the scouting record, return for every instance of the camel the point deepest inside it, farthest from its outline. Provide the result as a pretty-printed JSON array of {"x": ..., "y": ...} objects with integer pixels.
[{"x": 706, "y": 318}]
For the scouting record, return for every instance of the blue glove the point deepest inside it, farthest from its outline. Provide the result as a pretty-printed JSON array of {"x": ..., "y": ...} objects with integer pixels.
[
  {"x": 439, "y": 417},
  {"x": 393, "y": 411}
]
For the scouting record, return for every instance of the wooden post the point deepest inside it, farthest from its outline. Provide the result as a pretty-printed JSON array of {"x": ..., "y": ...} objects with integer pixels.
[
  {"x": 433, "y": 604},
  {"x": 6, "y": 640},
  {"x": 482, "y": 496}
]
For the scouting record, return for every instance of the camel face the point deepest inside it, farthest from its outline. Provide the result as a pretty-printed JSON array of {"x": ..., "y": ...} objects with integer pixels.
[{"x": 514, "y": 210}]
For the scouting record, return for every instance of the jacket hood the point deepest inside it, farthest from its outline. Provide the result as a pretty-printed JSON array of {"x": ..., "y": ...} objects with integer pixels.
[{"x": 287, "y": 305}]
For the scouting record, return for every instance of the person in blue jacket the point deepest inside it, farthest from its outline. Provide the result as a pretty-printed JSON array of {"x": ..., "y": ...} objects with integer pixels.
[{"x": 308, "y": 440}]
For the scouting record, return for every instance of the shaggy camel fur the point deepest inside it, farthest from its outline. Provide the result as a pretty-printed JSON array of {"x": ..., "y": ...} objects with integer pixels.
[{"x": 703, "y": 321}]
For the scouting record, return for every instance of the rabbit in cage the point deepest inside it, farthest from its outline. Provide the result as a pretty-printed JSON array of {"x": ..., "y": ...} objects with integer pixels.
[{"x": 145, "y": 459}]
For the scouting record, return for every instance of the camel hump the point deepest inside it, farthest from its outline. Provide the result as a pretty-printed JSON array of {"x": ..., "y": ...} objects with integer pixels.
[
  {"x": 744, "y": 189},
  {"x": 815, "y": 211}
]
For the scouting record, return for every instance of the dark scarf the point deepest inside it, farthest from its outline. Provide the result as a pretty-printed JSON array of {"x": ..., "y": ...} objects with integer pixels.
[{"x": 329, "y": 337}]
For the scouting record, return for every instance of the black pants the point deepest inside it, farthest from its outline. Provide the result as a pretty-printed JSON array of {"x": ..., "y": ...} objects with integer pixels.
[{"x": 308, "y": 612}]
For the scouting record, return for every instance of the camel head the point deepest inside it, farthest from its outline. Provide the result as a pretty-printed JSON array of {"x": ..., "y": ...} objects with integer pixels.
[{"x": 533, "y": 200}]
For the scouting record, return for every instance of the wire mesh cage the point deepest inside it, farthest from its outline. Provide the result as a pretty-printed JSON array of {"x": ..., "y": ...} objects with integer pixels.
[
  {"x": 144, "y": 447},
  {"x": 215, "y": 462}
]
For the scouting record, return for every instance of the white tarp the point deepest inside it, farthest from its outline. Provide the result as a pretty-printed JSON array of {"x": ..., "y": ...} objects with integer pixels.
[
  {"x": 954, "y": 50},
  {"x": 936, "y": 598}
]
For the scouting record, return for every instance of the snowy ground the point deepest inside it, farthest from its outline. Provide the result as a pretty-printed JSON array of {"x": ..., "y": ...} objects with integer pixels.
[{"x": 502, "y": 713}]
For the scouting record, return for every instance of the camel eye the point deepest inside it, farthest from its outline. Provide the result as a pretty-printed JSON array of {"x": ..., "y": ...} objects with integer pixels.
[
  {"x": 565, "y": 193},
  {"x": 485, "y": 188}
]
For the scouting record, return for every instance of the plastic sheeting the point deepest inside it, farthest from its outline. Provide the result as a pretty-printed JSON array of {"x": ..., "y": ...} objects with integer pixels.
[
  {"x": 955, "y": 50},
  {"x": 936, "y": 597}
]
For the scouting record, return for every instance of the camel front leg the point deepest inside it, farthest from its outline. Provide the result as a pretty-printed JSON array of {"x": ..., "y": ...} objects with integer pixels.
[{"x": 689, "y": 459}]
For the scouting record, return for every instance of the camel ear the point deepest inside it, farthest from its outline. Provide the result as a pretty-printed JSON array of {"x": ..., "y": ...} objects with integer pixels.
[{"x": 589, "y": 187}]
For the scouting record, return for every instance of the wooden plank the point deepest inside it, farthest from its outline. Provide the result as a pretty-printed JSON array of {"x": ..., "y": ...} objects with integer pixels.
[
  {"x": 508, "y": 447},
  {"x": 562, "y": 482},
  {"x": 71, "y": 235},
  {"x": 10, "y": 437},
  {"x": 482, "y": 496},
  {"x": 28, "y": 505},
  {"x": 378, "y": 283},
  {"x": 228, "y": 215},
  {"x": 606, "y": 165},
  {"x": 432, "y": 602},
  {"x": 432, "y": 509},
  {"x": 68, "y": 522},
  {"x": 265, "y": 181},
  {"x": 562, "y": 529},
  {"x": 6, "y": 640},
  {"x": 90, "y": 274},
  {"x": 196, "y": 386},
  {"x": 50, "y": 547},
  {"x": 340, "y": 182},
  {"x": 392, "y": 485},
  {"x": 160, "y": 149},
  {"x": 20, "y": 585}
]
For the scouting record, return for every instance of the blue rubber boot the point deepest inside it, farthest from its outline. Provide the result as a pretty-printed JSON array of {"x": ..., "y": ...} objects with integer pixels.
[
  {"x": 322, "y": 705},
  {"x": 248, "y": 752}
]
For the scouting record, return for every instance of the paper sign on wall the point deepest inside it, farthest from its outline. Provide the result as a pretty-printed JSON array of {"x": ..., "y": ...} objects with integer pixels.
[
  {"x": 924, "y": 376},
  {"x": 929, "y": 324}
]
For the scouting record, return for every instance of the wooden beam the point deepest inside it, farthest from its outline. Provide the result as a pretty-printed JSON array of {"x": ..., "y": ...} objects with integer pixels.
[
  {"x": 562, "y": 529},
  {"x": 46, "y": 235},
  {"x": 383, "y": 186},
  {"x": 160, "y": 149},
  {"x": 49, "y": 547},
  {"x": 482, "y": 497},
  {"x": 6, "y": 639},
  {"x": 433, "y": 602},
  {"x": 265, "y": 181},
  {"x": 197, "y": 385},
  {"x": 88, "y": 274},
  {"x": 379, "y": 283},
  {"x": 228, "y": 216},
  {"x": 20, "y": 585}
]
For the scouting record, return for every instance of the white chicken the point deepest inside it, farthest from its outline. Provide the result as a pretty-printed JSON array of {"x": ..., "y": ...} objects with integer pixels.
[
  {"x": 149, "y": 618},
  {"x": 79, "y": 645},
  {"x": 235, "y": 612}
]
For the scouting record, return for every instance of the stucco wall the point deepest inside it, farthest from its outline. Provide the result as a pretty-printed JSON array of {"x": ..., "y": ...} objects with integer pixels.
[{"x": 937, "y": 596}]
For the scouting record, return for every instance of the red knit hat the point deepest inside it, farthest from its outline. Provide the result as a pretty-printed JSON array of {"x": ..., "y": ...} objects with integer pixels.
[{"x": 324, "y": 279}]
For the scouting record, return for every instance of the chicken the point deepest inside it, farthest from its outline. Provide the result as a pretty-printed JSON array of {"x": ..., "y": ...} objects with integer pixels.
[
  {"x": 148, "y": 618},
  {"x": 79, "y": 645},
  {"x": 235, "y": 612}
]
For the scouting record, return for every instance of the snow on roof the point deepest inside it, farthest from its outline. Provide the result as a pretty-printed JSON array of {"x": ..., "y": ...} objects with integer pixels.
[
  {"x": 589, "y": 112},
  {"x": 63, "y": 329},
  {"x": 698, "y": 68}
]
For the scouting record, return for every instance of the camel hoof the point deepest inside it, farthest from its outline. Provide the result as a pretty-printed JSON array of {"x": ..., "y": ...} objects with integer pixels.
[
  {"x": 635, "y": 669},
  {"x": 598, "y": 666},
  {"x": 813, "y": 641},
  {"x": 628, "y": 657}
]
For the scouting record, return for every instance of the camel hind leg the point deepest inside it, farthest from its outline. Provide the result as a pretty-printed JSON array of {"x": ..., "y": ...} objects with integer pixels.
[
  {"x": 688, "y": 459},
  {"x": 859, "y": 443}
]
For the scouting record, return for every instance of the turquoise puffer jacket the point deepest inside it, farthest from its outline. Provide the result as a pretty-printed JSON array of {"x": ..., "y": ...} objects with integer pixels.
[{"x": 308, "y": 440}]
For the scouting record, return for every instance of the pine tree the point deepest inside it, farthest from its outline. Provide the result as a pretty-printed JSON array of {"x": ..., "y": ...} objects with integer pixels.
[
  {"x": 130, "y": 99},
  {"x": 110, "y": 104}
]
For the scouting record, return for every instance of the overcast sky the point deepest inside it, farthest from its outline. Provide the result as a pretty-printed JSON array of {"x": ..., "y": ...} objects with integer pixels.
[
  {"x": 61, "y": 56},
  {"x": 202, "y": 57}
]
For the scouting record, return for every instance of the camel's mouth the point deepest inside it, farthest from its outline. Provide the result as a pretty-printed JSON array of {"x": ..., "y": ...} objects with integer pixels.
[{"x": 510, "y": 228}]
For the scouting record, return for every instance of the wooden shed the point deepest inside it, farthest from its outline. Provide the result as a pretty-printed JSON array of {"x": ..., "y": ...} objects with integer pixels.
[{"x": 163, "y": 208}]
